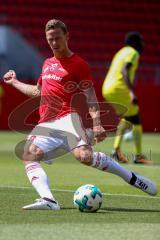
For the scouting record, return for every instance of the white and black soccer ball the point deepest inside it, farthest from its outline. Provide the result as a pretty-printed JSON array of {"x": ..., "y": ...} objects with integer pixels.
[{"x": 88, "y": 198}]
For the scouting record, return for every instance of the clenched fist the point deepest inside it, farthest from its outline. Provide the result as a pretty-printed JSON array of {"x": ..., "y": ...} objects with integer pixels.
[{"x": 9, "y": 77}]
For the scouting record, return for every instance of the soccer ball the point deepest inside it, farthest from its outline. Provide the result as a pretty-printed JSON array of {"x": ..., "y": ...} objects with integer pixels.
[{"x": 88, "y": 198}]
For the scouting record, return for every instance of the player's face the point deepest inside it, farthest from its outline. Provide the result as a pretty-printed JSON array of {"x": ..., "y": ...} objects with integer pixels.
[{"x": 57, "y": 41}]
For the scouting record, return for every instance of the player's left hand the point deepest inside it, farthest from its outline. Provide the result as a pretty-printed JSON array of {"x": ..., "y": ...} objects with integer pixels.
[{"x": 99, "y": 133}]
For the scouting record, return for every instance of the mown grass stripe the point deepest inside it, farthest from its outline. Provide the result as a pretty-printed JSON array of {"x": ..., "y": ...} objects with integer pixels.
[{"x": 72, "y": 191}]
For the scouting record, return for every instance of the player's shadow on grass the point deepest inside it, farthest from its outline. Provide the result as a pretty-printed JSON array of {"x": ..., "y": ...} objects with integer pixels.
[{"x": 128, "y": 210}]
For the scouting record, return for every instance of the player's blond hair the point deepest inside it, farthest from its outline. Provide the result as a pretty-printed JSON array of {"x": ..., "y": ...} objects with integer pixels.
[{"x": 55, "y": 23}]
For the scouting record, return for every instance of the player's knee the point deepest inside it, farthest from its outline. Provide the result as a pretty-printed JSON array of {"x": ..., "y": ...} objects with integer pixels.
[
  {"x": 84, "y": 154},
  {"x": 32, "y": 153}
]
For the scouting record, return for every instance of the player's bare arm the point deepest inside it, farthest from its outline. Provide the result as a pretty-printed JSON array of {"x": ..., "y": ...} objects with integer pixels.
[
  {"x": 28, "y": 89},
  {"x": 94, "y": 110},
  {"x": 126, "y": 78}
]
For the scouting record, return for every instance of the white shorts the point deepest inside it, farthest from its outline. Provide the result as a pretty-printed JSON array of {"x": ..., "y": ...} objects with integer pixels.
[{"x": 61, "y": 135}]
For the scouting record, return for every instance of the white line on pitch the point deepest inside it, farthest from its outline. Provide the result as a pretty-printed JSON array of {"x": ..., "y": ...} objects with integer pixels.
[{"x": 72, "y": 191}]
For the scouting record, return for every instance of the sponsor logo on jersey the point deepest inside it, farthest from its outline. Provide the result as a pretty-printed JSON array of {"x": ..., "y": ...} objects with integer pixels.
[
  {"x": 53, "y": 66},
  {"x": 51, "y": 76}
]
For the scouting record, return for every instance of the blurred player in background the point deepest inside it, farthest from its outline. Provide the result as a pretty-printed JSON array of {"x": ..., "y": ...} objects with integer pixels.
[
  {"x": 118, "y": 87},
  {"x": 60, "y": 126}
]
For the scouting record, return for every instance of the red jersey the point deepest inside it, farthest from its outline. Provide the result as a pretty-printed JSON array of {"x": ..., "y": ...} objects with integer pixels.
[{"x": 60, "y": 81}]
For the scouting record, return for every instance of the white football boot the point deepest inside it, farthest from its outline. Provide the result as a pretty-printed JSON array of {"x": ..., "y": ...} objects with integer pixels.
[
  {"x": 145, "y": 184},
  {"x": 43, "y": 204}
]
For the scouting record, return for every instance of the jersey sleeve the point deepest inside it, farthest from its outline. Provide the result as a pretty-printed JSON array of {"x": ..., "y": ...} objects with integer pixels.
[
  {"x": 40, "y": 80},
  {"x": 40, "y": 76},
  {"x": 132, "y": 57},
  {"x": 84, "y": 72}
]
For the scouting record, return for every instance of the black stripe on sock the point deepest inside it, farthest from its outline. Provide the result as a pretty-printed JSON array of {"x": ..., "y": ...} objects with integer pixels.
[
  {"x": 133, "y": 179},
  {"x": 49, "y": 200}
]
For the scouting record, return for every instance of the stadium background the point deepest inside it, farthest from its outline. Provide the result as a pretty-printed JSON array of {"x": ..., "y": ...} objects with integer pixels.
[{"x": 97, "y": 30}]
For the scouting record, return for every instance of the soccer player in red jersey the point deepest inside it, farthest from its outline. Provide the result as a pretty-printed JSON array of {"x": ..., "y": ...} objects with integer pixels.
[{"x": 60, "y": 125}]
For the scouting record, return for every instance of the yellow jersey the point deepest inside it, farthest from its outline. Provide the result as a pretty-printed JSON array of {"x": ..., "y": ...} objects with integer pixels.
[{"x": 114, "y": 78}]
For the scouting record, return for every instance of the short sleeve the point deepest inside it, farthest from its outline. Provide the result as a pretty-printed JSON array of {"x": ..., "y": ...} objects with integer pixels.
[
  {"x": 40, "y": 80},
  {"x": 85, "y": 79},
  {"x": 132, "y": 57},
  {"x": 85, "y": 72},
  {"x": 40, "y": 76}
]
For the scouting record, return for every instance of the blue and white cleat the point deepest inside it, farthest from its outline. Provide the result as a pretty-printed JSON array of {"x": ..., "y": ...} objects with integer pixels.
[{"x": 43, "y": 204}]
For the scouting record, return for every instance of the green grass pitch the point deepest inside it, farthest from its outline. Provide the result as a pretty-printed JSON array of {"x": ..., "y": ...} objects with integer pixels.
[{"x": 126, "y": 213}]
